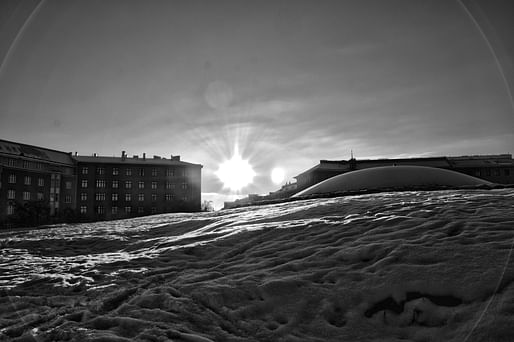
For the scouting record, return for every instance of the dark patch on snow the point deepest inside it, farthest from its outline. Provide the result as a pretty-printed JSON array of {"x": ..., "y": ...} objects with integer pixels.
[{"x": 389, "y": 304}]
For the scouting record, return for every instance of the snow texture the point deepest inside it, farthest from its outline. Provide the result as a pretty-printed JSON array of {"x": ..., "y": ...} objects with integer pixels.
[{"x": 409, "y": 266}]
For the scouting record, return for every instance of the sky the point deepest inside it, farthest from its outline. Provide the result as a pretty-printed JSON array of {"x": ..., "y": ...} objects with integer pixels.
[{"x": 286, "y": 83}]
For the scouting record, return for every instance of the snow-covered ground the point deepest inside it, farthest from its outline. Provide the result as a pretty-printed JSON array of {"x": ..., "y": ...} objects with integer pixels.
[{"x": 407, "y": 266}]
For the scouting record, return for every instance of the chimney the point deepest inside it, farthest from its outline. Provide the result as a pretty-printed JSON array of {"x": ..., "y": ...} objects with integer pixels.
[
  {"x": 94, "y": 154},
  {"x": 135, "y": 156},
  {"x": 176, "y": 158},
  {"x": 144, "y": 156},
  {"x": 75, "y": 154},
  {"x": 123, "y": 156}
]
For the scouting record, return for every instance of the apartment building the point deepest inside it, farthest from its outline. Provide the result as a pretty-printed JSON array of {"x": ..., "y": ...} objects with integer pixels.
[
  {"x": 120, "y": 187},
  {"x": 31, "y": 176},
  {"x": 40, "y": 185}
]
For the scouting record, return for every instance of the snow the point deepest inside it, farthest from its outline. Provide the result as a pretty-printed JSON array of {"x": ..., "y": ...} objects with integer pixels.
[{"x": 415, "y": 266}]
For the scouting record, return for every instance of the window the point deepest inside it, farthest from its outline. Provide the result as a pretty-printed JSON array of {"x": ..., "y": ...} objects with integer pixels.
[
  {"x": 67, "y": 198},
  {"x": 128, "y": 197},
  {"x": 140, "y": 210},
  {"x": 39, "y": 166},
  {"x": 128, "y": 185},
  {"x": 506, "y": 172},
  {"x": 10, "y": 209},
  {"x": 115, "y": 171},
  {"x": 11, "y": 162},
  {"x": 169, "y": 185},
  {"x": 83, "y": 184},
  {"x": 12, "y": 179},
  {"x": 154, "y": 172},
  {"x": 27, "y": 180},
  {"x": 185, "y": 198},
  {"x": 114, "y": 197},
  {"x": 26, "y": 164},
  {"x": 128, "y": 172},
  {"x": 154, "y": 210},
  {"x": 141, "y": 197},
  {"x": 100, "y": 209},
  {"x": 168, "y": 197},
  {"x": 184, "y": 186},
  {"x": 83, "y": 209},
  {"x": 100, "y": 196},
  {"x": 114, "y": 210},
  {"x": 115, "y": 184},
  {"x": 40, "y": 196},
  {"x": 128, "y": 210},
  {"x": 68, "y": 185},
  {"x": 141, "y": 172},
  {"x": 11, "y": 194},
  {"x": 40, "y": 182},
  {"x": 83, "y": 196},
  {"x": 487, "y": 172},
  {"x": 477, "y": 173},
  {"x": 141, "y": 185},
  {"x": 170, "y": 172},
  {"x": 154, "y": 197},
  {"x": 496, "y": 172},
  {"x": 100, "y": 183},
  {"x": 85, "y": 170},
  {"x": 26, "y": 196},
  {"x": 100, "y": 171},
  {"x": 154, "y": 185}
]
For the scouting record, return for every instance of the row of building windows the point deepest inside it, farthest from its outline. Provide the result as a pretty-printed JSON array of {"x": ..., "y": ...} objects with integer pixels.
[
  {"x": 491, "y": 172},
  {"x": 101, "y": 184},
  {"x": 101, "y": 196},
  {"x": 27, "y": 180},
  {"x": 114, "y": 210},
  {"x": 24, "y": 163},
  {"x": 128, "y": 171},
  {"x": 28, "y": 196}
]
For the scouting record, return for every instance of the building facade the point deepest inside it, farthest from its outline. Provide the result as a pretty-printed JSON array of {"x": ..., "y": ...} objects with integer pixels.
[
  {"x": 494, "y": 168},
  {"x": 40, "y": 185},
  {"x": 35, "y": 183},
  {"x": 120, "y": 187}
]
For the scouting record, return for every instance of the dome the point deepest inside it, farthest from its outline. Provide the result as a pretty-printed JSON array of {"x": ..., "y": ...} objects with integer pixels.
[{"x": 393, "y": 177}]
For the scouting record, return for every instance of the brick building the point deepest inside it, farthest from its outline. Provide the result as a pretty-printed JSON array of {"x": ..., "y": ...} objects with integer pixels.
[
  {"x": 40, "y": 185},
  {"x": 118, "y": 187},
  {"x": 29, "y": 175}
]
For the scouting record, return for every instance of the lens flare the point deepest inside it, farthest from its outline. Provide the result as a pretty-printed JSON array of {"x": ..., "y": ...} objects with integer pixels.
[{"x": 277, "y": 175}]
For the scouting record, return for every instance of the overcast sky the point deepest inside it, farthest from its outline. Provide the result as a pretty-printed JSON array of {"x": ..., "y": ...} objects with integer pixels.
[{"x": 290, "y": 82}]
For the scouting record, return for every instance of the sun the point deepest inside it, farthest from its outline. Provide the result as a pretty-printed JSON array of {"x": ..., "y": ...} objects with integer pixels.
[{"x": 235, "y": 173}]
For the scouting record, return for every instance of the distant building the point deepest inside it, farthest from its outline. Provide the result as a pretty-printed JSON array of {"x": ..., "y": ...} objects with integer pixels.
[
  {"x": 494, "y": 168},
  {"x": 35, "y": 182},
  {"x": 40, "y": 185},
  {"x": 119, "y": 187}
]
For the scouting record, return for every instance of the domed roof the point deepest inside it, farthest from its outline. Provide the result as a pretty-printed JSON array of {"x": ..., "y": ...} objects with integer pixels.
[{"x": 393, "y": 177}]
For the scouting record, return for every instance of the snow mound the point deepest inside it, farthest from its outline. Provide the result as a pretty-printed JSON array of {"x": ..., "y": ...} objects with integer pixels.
[
  {"x": 394, "y": 177},
  {"x": 405, "y": 266}
]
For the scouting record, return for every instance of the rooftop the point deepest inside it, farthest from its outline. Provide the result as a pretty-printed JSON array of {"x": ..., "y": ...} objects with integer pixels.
[
  {"x": 136, "y": 160},
  {"x": 35, "y": 152}
]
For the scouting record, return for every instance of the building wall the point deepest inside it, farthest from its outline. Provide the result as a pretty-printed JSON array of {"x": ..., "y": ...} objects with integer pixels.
[
  {"x": 120, "y": 190},
  {"x": 484, "y": 167},
  {"x": 24, "y": 180}
]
